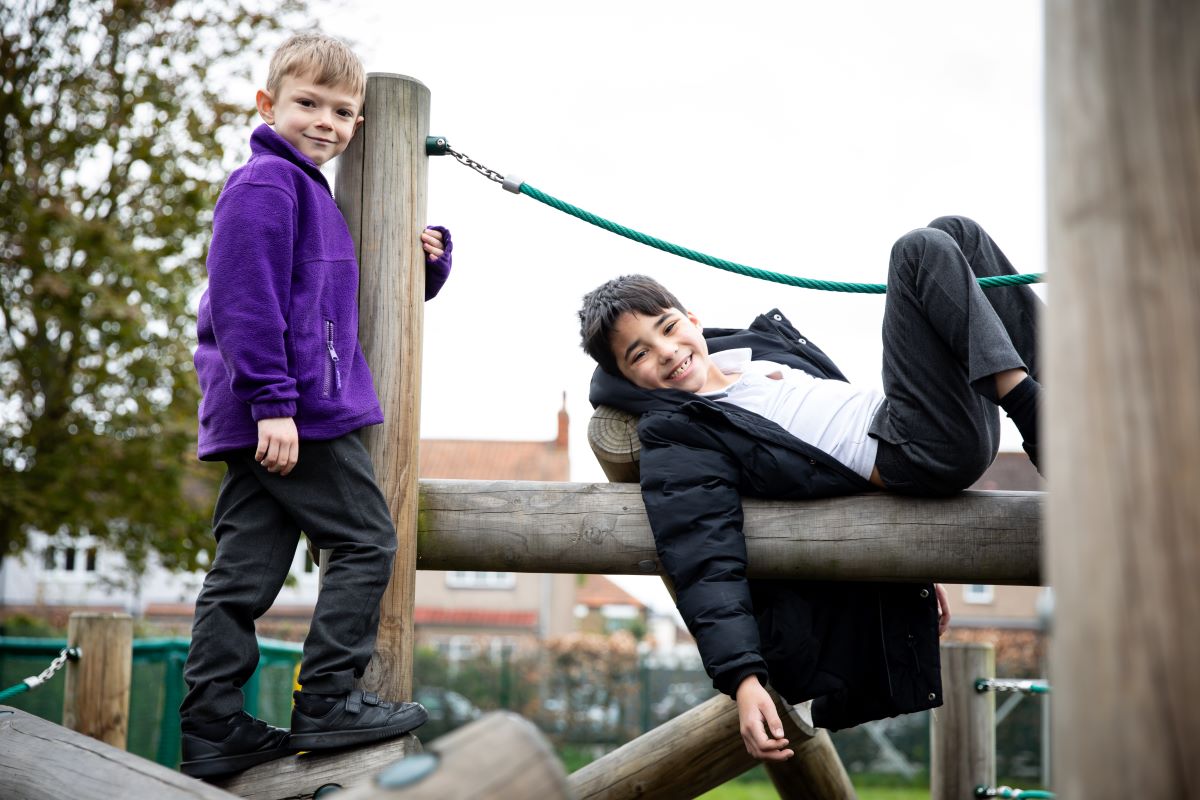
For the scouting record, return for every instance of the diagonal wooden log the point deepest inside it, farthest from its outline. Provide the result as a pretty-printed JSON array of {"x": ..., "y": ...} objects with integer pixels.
[
  {"x": 496, "y": 757},
  {"x": 974, "y": 537},
  {"x": 40, "y": 760},
  {"x": 701, "y": 749}
]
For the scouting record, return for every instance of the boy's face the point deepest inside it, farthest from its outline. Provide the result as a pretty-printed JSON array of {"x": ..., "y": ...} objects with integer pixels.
[
  {"x": 663, "y": 351},
  {"x": 317, "y": 120}
]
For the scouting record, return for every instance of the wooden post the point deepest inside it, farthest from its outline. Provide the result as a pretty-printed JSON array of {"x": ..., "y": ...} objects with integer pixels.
[
  {"x": 96, "y": 701},
  {"x": 380, "y": 189},
  {"x": 40, "y": 760},
  {"x": 1123, "y": 229},
  {"x": 963, "y": 731},
  {"x": 816, "y": 771}
]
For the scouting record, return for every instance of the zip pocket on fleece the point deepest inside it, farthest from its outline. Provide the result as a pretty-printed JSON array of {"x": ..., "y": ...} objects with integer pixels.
[{"x": 333, "y": 377}]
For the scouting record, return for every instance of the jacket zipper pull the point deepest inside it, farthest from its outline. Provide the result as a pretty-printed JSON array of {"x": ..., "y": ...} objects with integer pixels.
[{"x": 333, "y": 356}]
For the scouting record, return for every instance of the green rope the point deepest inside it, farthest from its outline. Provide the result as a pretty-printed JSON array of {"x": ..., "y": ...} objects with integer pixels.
[
  {"x": 13, "y": 691},
  {"x": 1013, "y": 794},
  {"x": 742, "y": 269}
]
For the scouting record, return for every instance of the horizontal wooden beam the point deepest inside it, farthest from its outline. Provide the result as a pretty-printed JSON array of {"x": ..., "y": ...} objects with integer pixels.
[{"x": 528, "y": 526}]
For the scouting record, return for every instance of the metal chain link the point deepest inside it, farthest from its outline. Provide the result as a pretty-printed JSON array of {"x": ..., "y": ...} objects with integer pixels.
[
  {"x": 462, "y": 158},
  {"x": 1002, "y": 685},
  {"x": 67, "y": 654}
]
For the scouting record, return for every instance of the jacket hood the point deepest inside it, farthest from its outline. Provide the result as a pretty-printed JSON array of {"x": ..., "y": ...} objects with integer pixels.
[{"x": 764, "y": 337}]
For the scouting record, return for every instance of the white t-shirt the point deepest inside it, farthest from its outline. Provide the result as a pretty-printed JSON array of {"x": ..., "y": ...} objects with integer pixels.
[{"x": 831, "y": 415}]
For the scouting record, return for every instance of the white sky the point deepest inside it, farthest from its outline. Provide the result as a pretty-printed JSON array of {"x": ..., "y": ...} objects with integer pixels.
[{"x": 800, "y": 137}]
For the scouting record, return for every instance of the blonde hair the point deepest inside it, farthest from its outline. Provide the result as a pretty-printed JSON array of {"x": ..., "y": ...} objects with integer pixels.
[{"x": 329, "y": 61}]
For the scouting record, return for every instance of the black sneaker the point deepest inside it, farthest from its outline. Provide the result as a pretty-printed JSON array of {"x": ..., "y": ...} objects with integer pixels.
[
  {"x": 357, "y": 718},
  {"x": 246, "y": 741}
]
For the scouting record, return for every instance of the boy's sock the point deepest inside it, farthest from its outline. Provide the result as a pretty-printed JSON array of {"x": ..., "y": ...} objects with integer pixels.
[
  {"x": 1021, "y": 404},
  {"x": 315, "y": 705}
]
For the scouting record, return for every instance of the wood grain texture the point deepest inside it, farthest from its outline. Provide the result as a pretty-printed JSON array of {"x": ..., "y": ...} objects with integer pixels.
[
  {"x": 1122, "y": 427},
  {"x": 816, "y": 771},
  {"x": 381, "y": 184},
  {"x": 303, "y": 775},
  {"x": 963, "y": 731},
  {"x": 612, "y": 435},
  {"x": 40, "y": 760},
  {"x": 96, "y": 696},
  {"x": 499, "y": 756},
  {"x": 522, "y": 526}
]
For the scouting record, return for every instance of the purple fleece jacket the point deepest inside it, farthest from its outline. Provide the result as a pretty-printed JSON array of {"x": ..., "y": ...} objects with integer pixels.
[{"x": 278, "y": 324}]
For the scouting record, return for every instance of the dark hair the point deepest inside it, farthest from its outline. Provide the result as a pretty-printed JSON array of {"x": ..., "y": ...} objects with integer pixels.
[{"x": 605, "y": 304}]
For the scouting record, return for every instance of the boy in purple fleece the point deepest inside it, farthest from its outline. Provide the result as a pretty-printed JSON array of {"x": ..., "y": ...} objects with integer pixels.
[{"x": 279, "y": 364}]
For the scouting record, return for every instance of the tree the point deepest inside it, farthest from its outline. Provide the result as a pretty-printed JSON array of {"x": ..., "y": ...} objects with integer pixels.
[{"x": 116, "y": 116}]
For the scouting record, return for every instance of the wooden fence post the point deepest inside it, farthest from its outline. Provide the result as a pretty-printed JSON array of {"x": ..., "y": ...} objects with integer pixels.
[
  {"x": 380, "y": 188},
  {"x": 963, "y": 731},
  {"x": 1123, "y": 550},
  {"x": 96, "y": 701}
]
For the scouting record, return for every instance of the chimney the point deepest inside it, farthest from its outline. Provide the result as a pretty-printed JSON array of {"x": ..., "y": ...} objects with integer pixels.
[{"x": 563, "y": 424}]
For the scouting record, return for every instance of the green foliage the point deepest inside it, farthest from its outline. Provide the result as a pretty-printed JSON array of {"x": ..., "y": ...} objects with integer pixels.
[{"x": 116, "y": 115}]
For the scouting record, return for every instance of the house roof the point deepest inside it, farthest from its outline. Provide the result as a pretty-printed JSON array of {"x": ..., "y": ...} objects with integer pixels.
[
  {"x": 597, "y": 591},
  {"x": 474, "y": 617},
  {"x": 483, "y": 460}
]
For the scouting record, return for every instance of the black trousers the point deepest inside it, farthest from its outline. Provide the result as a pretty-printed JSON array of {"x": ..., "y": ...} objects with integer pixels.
[
  {"x": 943, "y": 339},
  {"x": 332, "y": 497}
]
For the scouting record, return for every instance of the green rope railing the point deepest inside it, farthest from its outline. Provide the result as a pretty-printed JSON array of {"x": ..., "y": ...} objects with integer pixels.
[
  {"x": 439, "y": 146},
  {"x": 1013, "y": 794},
  {"x": 34, "y": 681},
  {"x": 1011, "y": 685}
]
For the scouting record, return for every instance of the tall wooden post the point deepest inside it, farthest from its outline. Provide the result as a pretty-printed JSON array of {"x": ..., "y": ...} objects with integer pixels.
[
  {"x": 962, "y": 753},
  {"x": 1123, "y": 421},
  {"x": 96, "y": 698},
  {"x": 380, "y": 189}
]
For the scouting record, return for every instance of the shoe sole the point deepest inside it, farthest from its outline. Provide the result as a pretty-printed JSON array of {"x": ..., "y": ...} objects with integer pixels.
[
  {"x": 207, "y": 768},
  {"x": 330, "y": 740}
]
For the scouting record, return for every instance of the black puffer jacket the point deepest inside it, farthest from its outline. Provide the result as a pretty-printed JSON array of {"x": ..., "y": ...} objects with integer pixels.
[{"x": 863, "y": 650}]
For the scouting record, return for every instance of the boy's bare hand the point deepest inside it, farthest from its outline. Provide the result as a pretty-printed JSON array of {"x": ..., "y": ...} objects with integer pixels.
[
  {"x": 278, "y": 444},
  {"x": 943, "y": 608},
  {"x": 760, "y": 726},
  {"x": 431, "y": 240}
]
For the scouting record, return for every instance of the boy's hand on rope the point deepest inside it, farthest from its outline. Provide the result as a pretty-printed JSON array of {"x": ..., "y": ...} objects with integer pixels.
[
  {"x": 278, "y": 444},
  {"x": 431, "y": 240},
  {"x": 759, "y": 723},
  {"x": 943, "y": 601}
]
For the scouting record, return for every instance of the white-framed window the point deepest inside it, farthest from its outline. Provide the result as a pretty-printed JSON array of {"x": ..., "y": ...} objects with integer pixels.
[
  {"x": 463, "y": 579},
  {"x": 978, "y": 593}
]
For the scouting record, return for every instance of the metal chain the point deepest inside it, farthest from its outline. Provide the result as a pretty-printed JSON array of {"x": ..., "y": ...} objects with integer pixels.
[
  {"x": 1001, "y": 685},
  {"x": 67, "y": 654},
  {"x": 1011, "y": 793},
  {"x": 490, "y": 174}
]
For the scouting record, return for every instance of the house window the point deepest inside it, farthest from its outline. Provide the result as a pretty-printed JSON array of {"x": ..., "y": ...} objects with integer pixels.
[
  {"x": 50, "y": 559},
  {"x": 462, "y": 648},
  {"x": 481, "y": 580},
  {"x": 90, "y": 562},
  {"x": 977, "y": 592},
  {"x": 70, "y": 562}
]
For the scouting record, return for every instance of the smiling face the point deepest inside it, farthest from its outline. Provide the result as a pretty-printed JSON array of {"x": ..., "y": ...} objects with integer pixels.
[
  {"x": 665, "y": 351},
  {"x": 317, "y": 120}
]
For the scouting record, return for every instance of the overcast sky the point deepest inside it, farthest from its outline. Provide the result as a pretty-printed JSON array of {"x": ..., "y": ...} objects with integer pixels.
[{"x": 800, "y": 137}]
